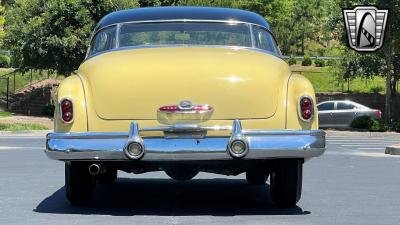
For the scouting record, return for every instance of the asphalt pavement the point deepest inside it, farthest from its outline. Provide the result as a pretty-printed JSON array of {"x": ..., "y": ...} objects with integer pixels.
[{"x": 354, "y": 182}]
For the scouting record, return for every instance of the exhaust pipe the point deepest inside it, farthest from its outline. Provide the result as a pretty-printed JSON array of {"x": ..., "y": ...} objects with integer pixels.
[{"x": 95, "y": 169}]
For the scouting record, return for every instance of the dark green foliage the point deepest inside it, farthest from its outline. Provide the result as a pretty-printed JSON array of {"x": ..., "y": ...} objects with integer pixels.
[
  {"x": 306, "y": 61},
  {"x": 331, "y": 62},
  {"x": 372, "y": 124},
  {"x": 54, "y": 34},
  {"x": 292, "y": 60},
  {"x": 377, "y": 125},
  {"x": 377, "y": 89},
  {"x": 319, "y": 63},
  {"x": 4, "y": 61},
  {"x": 396, "y": 125},
  {"x": 361, "y": 122}
]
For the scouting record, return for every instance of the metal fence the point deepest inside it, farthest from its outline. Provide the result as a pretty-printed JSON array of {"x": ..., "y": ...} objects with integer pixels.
[{"x": 13, "y": 81}]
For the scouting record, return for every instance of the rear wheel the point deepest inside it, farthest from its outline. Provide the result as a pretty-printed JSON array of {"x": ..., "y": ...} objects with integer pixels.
[
  {"x": 108, "y": 177},
  {"x": 79, "y": 183},
  {"x": 257, "y": 177},
  {"x": 286, "y": 182}
]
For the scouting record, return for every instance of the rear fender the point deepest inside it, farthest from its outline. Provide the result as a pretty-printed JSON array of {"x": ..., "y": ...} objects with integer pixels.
[
  {"x": 299, "y": 86},
  {"x": 71, "y": 88}
]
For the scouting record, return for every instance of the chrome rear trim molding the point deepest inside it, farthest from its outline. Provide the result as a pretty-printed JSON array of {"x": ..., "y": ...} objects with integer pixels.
[{"x": 262, "y": 144}]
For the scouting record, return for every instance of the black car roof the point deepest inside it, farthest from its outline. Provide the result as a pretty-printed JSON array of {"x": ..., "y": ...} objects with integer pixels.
[{"x": 181, "y": 13}]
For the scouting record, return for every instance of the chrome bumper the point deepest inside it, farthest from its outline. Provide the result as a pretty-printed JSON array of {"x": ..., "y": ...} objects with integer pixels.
[{"x": 261, "y": 144}]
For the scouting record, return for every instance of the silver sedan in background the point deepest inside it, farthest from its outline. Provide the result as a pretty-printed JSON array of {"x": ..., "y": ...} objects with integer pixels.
[{"x": 342, "y": 113}]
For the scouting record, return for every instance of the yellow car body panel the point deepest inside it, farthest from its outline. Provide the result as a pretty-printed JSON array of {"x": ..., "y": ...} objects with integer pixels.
[{"x": 113, "y": 89}]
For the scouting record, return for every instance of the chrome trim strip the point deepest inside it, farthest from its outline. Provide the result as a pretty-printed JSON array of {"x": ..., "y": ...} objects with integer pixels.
[
  {"x": 117, "y": 36},
  {"x": 262, "y": 144},
  {"x": 253, "y": 42}
]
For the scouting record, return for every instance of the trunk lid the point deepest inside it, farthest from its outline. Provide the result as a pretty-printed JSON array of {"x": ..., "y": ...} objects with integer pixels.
[{"x": 133, "y": 84}]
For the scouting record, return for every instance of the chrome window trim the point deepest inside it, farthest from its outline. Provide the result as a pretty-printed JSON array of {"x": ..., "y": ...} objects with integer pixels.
[{"x": 118, "y": 26}]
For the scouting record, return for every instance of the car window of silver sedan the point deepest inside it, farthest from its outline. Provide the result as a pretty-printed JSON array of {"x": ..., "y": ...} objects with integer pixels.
[
  {"x": 345, "y": 106},
  {"x": 326, "y": 106}
]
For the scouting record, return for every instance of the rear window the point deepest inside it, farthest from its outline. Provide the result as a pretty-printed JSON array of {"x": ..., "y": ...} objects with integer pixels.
[
  {"x": 326, "y": 106},
  {"x": 344, "y": 106},
  {"x": 185, "y": 34},
  {"x": 103, "y": 41}
]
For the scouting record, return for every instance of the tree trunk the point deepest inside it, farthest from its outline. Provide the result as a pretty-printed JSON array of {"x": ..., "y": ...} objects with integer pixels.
[
  {"x": 302, "y": 44},
  {"x": 388, "y": 86}
]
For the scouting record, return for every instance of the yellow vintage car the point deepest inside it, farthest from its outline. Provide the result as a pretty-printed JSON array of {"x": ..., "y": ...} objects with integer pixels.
[{"x": 185, "y": 90}]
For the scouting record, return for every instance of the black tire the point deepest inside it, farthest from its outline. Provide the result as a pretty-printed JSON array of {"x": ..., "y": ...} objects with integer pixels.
[
  {"x": 286, "y": 182},
  {"x": 257, "y": 177},
  {"x": 108, "y": 177},
  {"x": 79, "y": 183}
]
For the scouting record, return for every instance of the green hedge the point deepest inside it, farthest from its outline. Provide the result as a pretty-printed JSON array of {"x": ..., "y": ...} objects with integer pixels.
[
  {"x": 307, "y": 61},
  {"x": 377, "y": 125},
  {"x": 319, "y": 63},
  {"x": 361, "y": 122},
  {"x": 372, "y": 124},
  {"x": 292, "y": 60},
  {"x": 4, "y": 61}
]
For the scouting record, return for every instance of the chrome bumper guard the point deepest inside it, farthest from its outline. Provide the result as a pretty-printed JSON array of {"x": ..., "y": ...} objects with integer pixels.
[{"x": 256, "y": 144}]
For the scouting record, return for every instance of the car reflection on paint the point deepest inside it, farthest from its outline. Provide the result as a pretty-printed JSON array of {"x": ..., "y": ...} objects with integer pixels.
[{"x": 340, "y": 114}]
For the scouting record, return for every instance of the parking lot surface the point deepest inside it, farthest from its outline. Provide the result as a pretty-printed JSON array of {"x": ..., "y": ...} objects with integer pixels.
[{"x": 354, "y": 182}]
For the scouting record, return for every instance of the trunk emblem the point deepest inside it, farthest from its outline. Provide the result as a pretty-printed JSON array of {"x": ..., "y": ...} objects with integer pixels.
[{"x": 185, "y": 104}]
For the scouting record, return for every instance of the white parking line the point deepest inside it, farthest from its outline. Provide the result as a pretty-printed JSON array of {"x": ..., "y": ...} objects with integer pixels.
[
  {"x": 364, "y": 148},
  {"x": 13, "y": 148},
  {"x": 22, "y": 137},
  {"x": 362, "y": 145}
]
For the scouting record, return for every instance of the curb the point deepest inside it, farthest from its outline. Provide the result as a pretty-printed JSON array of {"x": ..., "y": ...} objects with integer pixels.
[
  {"x": 393, "y": 150},
  {"x": 362, "y": 134}
]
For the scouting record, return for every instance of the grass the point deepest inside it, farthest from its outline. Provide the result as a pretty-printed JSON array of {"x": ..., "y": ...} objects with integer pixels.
[
  {"x": 5, "y": 114},
  {"x": 324, "y": 81},
  {"x": 21, "y": 127}
]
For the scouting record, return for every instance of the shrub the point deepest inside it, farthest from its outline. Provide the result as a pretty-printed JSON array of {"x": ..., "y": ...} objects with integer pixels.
[
  {"x": 4, "y": 61},
  {"x": 361, "y": 122},
  {"x": 396, "y": 125},
  {"x": 331, "y": 62},
  {"x": 319, "y": 63},
  {"x": 376, "y": 89},
  {"x": 306, "y": 61},
  {"x": 377, "y": 125},
  {"x": 292, "y": 60}
]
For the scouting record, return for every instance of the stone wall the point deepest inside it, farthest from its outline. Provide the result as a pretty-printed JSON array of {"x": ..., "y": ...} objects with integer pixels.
[{"x": 375, "y": 101}]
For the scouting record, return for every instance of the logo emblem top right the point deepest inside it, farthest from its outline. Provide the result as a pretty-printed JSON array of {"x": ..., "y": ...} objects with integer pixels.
[{"x": 365, "y": 27}]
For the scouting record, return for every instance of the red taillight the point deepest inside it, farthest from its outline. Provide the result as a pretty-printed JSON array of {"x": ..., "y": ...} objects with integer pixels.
[
  {"x": 202, "y": 107},
  {"x": 378, "y": 114},
  {"x": 66, "y": 110},
  {"x": 306, "y": 108},
  {"x": 169, "y": 108}
]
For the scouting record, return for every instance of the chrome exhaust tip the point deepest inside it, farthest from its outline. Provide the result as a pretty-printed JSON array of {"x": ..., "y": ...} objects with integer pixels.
[{"x": 94, "y": 169}]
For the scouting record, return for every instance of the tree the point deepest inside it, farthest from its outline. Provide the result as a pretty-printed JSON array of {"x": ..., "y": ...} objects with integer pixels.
[{"x": 54, "y": 34}]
